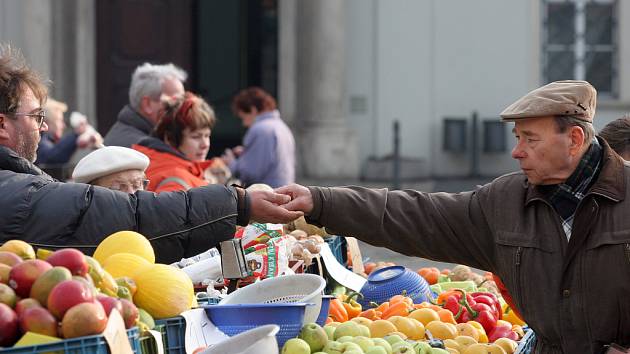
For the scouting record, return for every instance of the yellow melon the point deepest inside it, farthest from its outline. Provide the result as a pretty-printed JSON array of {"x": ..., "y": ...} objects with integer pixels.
[
  {"x": 125, "y": 242},
  {"x": 163, "y": 291},
  {"x": 124, "y": 264}
]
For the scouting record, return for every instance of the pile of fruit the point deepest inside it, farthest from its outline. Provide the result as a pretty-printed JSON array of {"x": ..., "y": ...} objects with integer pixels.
[
  {"x": 460, "y": 322},
  {"x": 66, "y": 294}
]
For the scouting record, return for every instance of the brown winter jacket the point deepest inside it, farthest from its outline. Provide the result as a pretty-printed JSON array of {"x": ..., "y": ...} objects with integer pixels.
[{"x": 575, "y": 295}]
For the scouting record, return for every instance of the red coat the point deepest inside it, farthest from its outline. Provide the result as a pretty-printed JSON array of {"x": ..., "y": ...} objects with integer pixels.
[{"x": 166, "y": 164}]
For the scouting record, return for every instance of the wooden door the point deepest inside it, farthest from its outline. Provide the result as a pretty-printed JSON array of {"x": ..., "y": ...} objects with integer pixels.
[{"x": 131, "y": 32}]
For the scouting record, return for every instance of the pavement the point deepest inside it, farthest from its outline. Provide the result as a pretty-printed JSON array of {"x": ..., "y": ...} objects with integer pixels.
[{"x": 374, "y": 254}]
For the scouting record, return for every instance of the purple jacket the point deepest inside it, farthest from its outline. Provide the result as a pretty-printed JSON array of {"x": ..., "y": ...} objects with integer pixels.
[{"x": 268, "y": 153}]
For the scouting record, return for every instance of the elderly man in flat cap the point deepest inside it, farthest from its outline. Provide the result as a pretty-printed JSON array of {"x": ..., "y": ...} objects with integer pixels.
[{"x": 557, "y": 233}]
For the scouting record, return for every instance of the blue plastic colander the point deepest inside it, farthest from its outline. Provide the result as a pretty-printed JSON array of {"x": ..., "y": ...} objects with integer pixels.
[
  {"x": 386, "y": 282},
  {"x": 237, "y": 318}
]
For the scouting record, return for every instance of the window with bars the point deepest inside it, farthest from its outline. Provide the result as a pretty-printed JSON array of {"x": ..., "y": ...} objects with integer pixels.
[{"x": 580, "y": 43}]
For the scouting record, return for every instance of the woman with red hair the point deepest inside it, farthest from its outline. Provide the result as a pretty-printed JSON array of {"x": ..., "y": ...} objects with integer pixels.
[{"x": 179, "y": 147}]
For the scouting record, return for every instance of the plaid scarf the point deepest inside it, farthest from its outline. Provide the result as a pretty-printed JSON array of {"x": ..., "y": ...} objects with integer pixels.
[{"x": 566, "y": 196}]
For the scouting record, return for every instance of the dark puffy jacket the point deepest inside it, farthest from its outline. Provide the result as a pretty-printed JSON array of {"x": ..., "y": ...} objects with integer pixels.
[
  {"x": 50, "y": 214},
  {"x": 129, "y": 129}
]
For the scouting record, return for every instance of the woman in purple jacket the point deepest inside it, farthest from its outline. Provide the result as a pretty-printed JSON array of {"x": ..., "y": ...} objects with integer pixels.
[{"x": 268, "y": 152}]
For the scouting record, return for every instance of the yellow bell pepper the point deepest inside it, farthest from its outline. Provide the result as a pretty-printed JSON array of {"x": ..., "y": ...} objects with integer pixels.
[{"x": 511, "y": 316}]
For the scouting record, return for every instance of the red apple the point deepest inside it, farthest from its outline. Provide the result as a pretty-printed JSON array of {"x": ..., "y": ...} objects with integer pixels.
[
  {"x": 83, "y": 320},
  {"x": 26, "y": 304},
  {"x": 8, "y": 326},
  {"x": 67, "y": 294},
  {"x": 38, "y": 320},
  {"x": 129, "y": 313},
  {"x": 110, "y": 303},
  {"x": 23, "y": 275},
  {"x": 9, "y": 258},
  {"x": 70, "y": 258}
]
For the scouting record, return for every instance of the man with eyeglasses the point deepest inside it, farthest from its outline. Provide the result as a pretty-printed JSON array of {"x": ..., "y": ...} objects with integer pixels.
[{"x": 47, "y": 213}]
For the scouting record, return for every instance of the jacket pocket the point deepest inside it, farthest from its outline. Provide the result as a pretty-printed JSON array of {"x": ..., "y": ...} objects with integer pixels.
[
  {"x": 606, "y": 269},
  {"x": 521, "y": 260}
]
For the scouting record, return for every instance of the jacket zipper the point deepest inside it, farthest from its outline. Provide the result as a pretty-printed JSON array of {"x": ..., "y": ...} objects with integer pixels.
[
  {"x": 628, "y": 252},
  {"x": 518, "y": 255},
  {"x": 517, "y": 271}
]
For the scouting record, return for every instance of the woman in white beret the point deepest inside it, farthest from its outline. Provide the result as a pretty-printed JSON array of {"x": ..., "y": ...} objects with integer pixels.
[{"x": 114, "y": 167}]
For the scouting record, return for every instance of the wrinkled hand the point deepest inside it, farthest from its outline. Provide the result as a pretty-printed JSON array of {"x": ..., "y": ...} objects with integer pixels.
[
  {"x": 265, "y": 207},
  {"x": 301, "y": 198}
]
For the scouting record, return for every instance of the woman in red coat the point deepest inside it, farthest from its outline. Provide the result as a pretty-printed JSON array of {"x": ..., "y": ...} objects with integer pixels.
[{"x": 179, "y": 147}]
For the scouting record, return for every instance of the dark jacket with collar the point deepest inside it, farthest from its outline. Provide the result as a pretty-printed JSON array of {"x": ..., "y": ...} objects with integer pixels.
[
  {"x": 50, "y": 214},
  {"x": 574, "y": 294},
  {"x": 129, "y": 129}
]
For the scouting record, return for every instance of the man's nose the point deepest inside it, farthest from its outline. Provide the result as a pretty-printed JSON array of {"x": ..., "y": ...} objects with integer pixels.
[
  {"x": 44, "y": 127},
  {"x": 518, "y": 152}
]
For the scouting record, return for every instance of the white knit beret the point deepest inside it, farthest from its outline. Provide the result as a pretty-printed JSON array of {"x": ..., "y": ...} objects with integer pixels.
[{"x": 108, "y": 160}]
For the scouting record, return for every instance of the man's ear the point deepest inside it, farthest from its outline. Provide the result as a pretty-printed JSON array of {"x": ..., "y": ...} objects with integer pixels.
[
  {"x": 4, "y": 132},
  {"x": 145, "y": 105},
  {"x": 577, "y": 140}
]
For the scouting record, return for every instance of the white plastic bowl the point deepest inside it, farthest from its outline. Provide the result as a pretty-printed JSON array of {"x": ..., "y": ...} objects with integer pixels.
[
  {"x": 258, "y": 340},
  {"x": 305, "y": 288}
]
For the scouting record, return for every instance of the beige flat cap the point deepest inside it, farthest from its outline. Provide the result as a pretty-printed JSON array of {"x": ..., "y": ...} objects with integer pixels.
[{"x": 559, "y": 98}]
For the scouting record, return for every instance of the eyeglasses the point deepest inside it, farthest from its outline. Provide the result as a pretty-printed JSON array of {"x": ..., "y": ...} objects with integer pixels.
[
  {"x": 137, "y": 185},
  {"x": 39, "y": 117}
]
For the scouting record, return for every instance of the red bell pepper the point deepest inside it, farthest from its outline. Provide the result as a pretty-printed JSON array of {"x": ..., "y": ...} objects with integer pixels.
[
  {"x": 491, "y": 300},
  {"x": 479, "y": 312}
]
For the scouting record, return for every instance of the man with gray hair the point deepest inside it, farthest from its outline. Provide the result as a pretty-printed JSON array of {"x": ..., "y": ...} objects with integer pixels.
[{"x": 149, "y": 85}]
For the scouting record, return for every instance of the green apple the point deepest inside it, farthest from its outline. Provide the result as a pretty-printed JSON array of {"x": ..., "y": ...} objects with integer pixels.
[
  {"x": 353, "y": 351},
  {"x": 364, "y": 342},
  {"x": 393, "y": 338},
  {"x": 348, "y": 346},
  {"x": 380, "y": 342},
  {"x": 403, "y": 348},
  {"x": 365, "y": 330},
  {"x": 345, "y": 339},
  {"x": 422, "y": 348},
  {"x": 376, "y": 350},
  {"x": 330, "y": 332},
  {"x": 347, "y": 329},
  {"x": 314, "y": 335},
  {"x": 438, "y": 351},
  {"x": 333, "y": 347},
  {"x": 296, "y": 346}
]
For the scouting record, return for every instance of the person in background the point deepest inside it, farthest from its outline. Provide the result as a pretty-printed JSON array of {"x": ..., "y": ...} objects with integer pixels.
[
  {"x": 556, "y": 232},
  {"x": 55, "y": 148},
  {"x": 268, "y": 151},
  {"x": 47, "y": 213},
  {"x": 114, "y": 167},
  {"x": 617, "y": 135},
  {"x": 150, "y": 84},
  {"x": 180, "y": 146}
]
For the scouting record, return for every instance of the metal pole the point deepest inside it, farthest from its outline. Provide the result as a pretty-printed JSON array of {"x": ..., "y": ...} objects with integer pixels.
[
  {"x": 474, "y": 171},
  {"x": 396, "y": 162}
]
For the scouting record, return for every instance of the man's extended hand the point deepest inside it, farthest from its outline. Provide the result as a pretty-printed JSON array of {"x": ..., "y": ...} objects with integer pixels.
[
  {"x": 301, "y": 198},
  {"x": 265, "y": 207}
]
